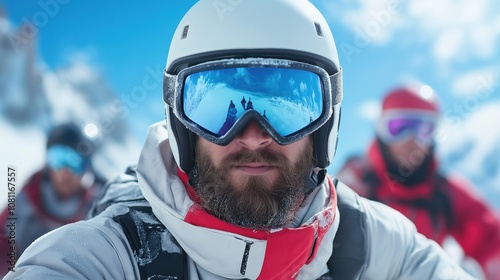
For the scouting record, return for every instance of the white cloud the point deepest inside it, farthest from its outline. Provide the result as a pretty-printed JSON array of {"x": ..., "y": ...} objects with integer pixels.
[
  {"x": 470, "y": 148},
  {"x": 449, "y": 13},
  {"x": 79, "y": 71},
  {"x": 478, "y": 82},
  {"x": 476, "y": 138},
  {"x": 484, "y": 40},
  {"x": 447, "y": 46},
  {"x": 369, "y": 110},
  {"x": 375, "y": 20},
  {"x": 457, "y": 30}
]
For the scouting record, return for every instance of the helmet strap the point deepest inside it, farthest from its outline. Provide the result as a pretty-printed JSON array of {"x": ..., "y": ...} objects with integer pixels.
[
  {"x": 315, "y": 179},
  {"x": 186, "y": 141}
]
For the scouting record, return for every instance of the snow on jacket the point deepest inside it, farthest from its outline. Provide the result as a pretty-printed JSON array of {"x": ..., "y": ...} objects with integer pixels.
[
  {"x": 439, "y": 206},
  {"x": 98, "y": 248}
]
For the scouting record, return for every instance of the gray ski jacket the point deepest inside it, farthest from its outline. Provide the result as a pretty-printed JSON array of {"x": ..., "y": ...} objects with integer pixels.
[{"x": 98, "y": 248}]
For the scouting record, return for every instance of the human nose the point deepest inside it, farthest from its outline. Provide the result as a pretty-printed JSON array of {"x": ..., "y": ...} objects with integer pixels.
[{"x": 253, "y": 137}]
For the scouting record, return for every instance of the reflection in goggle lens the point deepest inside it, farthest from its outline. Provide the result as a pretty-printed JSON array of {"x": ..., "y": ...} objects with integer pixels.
[
  {"x": 289, "y": 99},
  {"x": 60, "y": 157},
  {"x": 422, "y": 128}
]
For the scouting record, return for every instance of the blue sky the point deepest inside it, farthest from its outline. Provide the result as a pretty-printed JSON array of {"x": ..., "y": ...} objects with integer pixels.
[{"x": 452, "y": 46}]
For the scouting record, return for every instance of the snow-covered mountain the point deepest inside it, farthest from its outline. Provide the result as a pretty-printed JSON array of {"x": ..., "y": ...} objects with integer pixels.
[{"x": 34, "y": 98}]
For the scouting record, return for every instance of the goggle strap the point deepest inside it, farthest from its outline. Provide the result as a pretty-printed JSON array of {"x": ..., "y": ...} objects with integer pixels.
[
  {"x": 336, "y": 87},
  {"x": 169, "y": 82}
]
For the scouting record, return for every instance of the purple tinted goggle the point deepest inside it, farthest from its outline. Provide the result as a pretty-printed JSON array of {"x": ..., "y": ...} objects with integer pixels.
[
  {"x": 399, "y": 126},
  {"x": 217, "y": 99}
]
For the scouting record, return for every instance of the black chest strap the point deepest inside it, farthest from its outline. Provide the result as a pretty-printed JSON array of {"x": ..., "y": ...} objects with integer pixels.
[
  {"x": 349, "y": 255},
  {"x": 156, "y": 251}
]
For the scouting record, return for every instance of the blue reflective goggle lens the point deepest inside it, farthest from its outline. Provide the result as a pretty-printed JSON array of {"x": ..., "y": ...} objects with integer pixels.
[
  {"x": 60, "y": 157},
  {"x": 288, "y": 99},
  {"x": 217, "y": 99}
]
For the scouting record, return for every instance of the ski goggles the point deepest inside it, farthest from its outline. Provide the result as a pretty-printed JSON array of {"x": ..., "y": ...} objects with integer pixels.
[
  {"x": 399, "y": 126},
  {"x": 289, "y": 99},
  {"x": 61, "y": 157}
]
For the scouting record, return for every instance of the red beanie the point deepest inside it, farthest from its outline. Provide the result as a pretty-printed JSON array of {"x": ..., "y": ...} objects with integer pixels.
[{"x": 412, "y": 98}]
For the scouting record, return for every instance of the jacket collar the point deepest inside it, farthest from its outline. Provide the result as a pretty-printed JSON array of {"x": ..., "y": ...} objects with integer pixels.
[{"x": 227, "y": 250}]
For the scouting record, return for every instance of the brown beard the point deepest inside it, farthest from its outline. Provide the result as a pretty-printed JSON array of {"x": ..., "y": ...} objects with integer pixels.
[{"x": 259, "y": 203}]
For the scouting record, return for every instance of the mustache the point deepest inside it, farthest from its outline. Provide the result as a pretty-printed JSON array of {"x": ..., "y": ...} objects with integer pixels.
[{"x": 251, "y": 156}]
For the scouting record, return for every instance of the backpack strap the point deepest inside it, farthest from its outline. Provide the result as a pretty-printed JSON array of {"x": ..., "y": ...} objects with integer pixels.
[
  {"x": 442, "y": 200},
  {"x": 156, "y": 251},
  {"x": 348, "y": 259}
]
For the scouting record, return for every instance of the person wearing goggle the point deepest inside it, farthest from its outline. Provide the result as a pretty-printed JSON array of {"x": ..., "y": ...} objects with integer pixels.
[
  {"x": 234, "y": 184},
  {"x": 66, "y": 167},
  {"x": 63, "y": 157},
  {"x": 59, "y": 193},
  {"x": 401, "y": 170},
  {"x": 403, "y": 125}
]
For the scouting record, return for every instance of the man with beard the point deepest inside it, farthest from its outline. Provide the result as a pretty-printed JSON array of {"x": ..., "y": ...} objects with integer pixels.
[
  {"x": 254, "y": 202},
  {"x": 400, "y": 170}
]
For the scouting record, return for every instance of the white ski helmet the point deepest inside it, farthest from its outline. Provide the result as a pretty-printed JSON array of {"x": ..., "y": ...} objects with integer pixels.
[{"x": 280, "y": 29}]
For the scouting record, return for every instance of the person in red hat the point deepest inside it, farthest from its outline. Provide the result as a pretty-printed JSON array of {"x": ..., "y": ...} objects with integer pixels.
[{"x": 400, "y": 169}]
